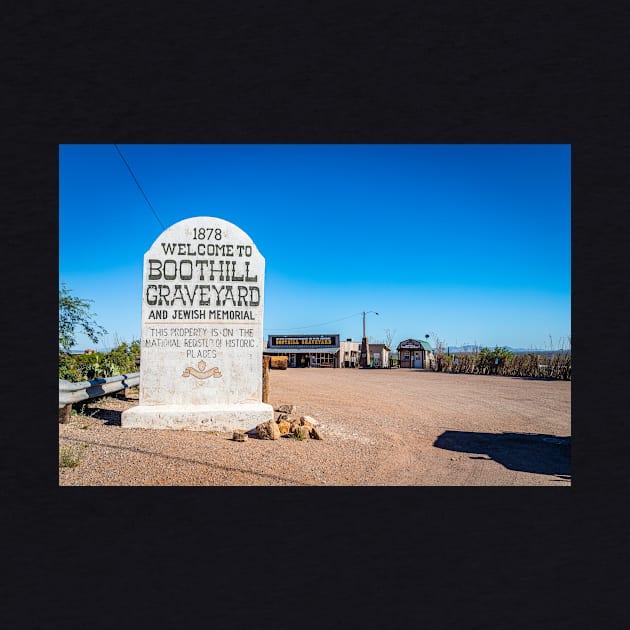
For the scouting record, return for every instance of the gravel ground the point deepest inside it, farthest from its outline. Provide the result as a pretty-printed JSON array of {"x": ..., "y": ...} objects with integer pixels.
[{"x": 380, "y": 427}]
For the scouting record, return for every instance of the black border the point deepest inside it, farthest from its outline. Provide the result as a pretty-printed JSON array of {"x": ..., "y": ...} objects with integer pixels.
[{"x": 277, "y": 72}]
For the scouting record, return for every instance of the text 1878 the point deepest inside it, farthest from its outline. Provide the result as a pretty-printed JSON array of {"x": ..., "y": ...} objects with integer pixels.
[{"x": 206, "y": 234}]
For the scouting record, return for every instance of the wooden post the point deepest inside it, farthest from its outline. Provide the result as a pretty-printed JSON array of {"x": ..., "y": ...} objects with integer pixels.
[
  {"x": 265, "y": 378},
  {"x": 64, "y": 414}
]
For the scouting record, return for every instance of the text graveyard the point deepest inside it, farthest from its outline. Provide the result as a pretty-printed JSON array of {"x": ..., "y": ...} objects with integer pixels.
[{"x": 171, "y": 273}]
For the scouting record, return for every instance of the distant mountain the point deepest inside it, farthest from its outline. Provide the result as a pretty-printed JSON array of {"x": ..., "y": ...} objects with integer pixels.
[
  {"x": 471, "y": 348},
  {"x": 539, "y": 351}
]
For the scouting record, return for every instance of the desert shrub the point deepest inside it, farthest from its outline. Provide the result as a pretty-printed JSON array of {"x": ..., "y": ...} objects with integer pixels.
[
  {"x": 502, "y": 362},
  {"x": 493, "y": 361},
  {"x": 70, "y": 457},
  {"x": 86, "y": 367},
  {"x": 560, "y": 366},
  {"x": 524, "y": 365},
  {"x": 123, "y": 358},
  {"x": 68, "y": 368}
]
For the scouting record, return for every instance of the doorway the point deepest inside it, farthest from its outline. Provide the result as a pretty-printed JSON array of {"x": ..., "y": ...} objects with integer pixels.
[{"x": 417, "y": 359}]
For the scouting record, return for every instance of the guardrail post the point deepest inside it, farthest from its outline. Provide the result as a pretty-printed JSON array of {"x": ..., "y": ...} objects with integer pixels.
[{"x": 64, "y": 414}]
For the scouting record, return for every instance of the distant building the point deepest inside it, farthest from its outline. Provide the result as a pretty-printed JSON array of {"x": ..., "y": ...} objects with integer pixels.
[
  {"x": 414, "y": 353},
  {"x": 379, "y": 355},
  {"x": 314, "y": 350},
  {"x": 350, "y": 353}
]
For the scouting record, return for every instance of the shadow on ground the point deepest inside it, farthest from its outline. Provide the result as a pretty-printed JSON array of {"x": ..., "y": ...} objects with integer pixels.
[
  {"x": 110, "y": 417},
  {"x": 526, "y": 452}
]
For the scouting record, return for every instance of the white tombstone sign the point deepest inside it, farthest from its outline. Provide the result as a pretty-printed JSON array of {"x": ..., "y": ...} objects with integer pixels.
[{"x": 202, "y": 325}]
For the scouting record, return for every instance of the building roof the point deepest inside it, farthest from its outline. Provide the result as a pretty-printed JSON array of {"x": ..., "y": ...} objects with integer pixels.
[
  {"x": 415, "y": 343},
  {"x": 377, "y": 347}
]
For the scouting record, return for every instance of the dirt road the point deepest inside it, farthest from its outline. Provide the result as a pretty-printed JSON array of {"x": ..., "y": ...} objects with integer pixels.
[{"x": 380, "y": 427}]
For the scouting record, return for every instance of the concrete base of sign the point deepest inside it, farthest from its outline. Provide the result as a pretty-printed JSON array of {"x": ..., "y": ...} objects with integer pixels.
[{"x": 197, "y": 417}]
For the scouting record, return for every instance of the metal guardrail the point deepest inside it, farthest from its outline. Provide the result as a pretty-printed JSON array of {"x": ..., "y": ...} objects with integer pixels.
[{"x": 76, "y": 392}]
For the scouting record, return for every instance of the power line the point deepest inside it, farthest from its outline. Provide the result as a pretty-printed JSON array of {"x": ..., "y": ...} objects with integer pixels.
[
  {"x": 312, "y": 325},
  {"x": 138, "y": 185}
]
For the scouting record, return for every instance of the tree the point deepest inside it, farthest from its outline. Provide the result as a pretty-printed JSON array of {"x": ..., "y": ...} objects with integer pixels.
[
  {"x": 75, "y": 313},
  {"x": 389, "y": 337},
  {"x": 440, "y": 345}
]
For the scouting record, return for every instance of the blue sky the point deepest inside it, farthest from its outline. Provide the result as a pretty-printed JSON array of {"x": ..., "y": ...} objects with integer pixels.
[{"x": 469, "y": 243}]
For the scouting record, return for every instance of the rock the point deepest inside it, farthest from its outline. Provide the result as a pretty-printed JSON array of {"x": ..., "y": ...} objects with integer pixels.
[
  {"x": 308, "y": 421},
  {"x": 294, "y": 426},
  {"x": 268, "y": 430},
  {"x": 316, "y": 434},
  {"x": 302, "y": 432},
  {"x": 239, "y": 436},
  {"x": 284, "y": 427},
  {"x": 286, "y": 409},
  {"x": 282, "y": 416}
]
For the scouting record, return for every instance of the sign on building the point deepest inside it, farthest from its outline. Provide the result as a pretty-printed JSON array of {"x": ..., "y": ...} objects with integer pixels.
[
  {"x": 303, "y": 340},
  {"x": 202, "y": 323}
]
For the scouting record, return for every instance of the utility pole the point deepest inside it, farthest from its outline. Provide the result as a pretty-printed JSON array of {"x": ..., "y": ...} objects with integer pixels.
[{"x": 365, "y": 346}]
